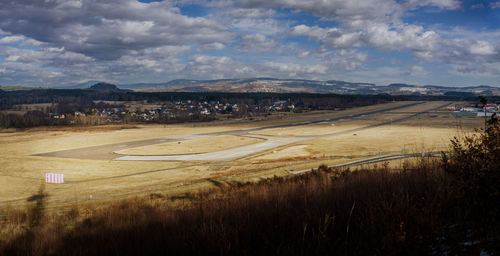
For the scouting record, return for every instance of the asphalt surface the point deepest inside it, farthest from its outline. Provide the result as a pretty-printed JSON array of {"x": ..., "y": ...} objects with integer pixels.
[
  {"x": 270, "y": 143},
  {"x": 373, "y": 160},
  {"x": 106, "y": 152}
]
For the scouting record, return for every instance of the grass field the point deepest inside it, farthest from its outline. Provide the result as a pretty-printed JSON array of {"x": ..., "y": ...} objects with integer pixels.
[{"x": 94, "y": 180}]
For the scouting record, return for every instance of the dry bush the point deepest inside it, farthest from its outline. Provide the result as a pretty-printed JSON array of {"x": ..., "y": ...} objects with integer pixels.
[
  {"x": 474, "y": 163},
  {"x": 422, "y": 209},
  {"x": 327, "y": 211}
]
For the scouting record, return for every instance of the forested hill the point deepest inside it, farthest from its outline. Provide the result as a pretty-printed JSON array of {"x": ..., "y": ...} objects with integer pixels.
[{"x": 10, "y": 98}]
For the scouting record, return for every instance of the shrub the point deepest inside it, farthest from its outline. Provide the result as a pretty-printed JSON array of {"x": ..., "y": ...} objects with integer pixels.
[{"x": 474, "y": 163}]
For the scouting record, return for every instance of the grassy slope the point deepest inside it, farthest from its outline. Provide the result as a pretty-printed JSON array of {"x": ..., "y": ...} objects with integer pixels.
[
  {"x": 365, "y": 212},
  {"x": 429, "y": 207}
]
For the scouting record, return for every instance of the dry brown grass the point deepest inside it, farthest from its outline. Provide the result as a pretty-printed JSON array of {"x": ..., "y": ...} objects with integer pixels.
[
  {"x": 320, "y": 213},
  {"x": 22, "y": 173},
  {"x": 421, "y": 208}
]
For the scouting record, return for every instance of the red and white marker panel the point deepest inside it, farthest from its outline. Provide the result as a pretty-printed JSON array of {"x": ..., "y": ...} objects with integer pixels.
[{"x": 54, "y": 178}]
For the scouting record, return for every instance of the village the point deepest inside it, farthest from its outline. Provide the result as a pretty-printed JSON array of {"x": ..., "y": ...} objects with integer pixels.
[{"x": 165, "y": 112}]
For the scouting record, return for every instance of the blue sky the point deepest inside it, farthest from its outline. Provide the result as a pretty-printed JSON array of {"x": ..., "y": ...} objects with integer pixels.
[{"x": 62, "y": 42}]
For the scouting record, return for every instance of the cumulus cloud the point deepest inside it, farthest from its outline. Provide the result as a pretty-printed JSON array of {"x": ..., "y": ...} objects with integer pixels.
[
  {"x": 215, "y": 67},
  {"x": 373, "y": 10},
  {"x": 256, "y": 43},
  {"x": 442, "y": 4},
  {"x": 378, "y": 24},
  {"x": 38, "y": 66},
  {"x": 244, "y": 13},
  {"x": 213, "y": 46},
  {"x": 292, "y": 69},
  {"x": 456, "y": 51},
  {"x": 32, "y": 43},
  {"x": 377, "y": 35},
  {"x": 482, "y": 48},
  {"x": 477, "y": 6},
  {"x": 495, "y": 5},
  {"x": 11, "y": 39},
  {"x": 107, "y": 29},
  {"x": 48, "y": 56},
  {"x": 417, "y": 71},
  {"x": 333, "y": 37},
  {"x": 476, "y": 69},
  {"x": 267, "y": 26},
  {"x": 29, "y": 74},
  {"x": 344, "y": 60},
  {"x": 59, "y": 41},
  {"x": 426, "y": 45},
  {"x": 334, "y": 9}
]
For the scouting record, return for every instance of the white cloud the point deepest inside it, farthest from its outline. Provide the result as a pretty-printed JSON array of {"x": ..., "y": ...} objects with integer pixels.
[
  {"x": 108, "y": 29},
  {"x": 477, "y": 6},
  {"x": 303, "y": 53},
  {"x": 46, "y": 56},
  {"x": 418, "y": 71},
  {"x": 335, "y": 9},
  {"x": 482, "y": 48},
  {"x": 495, "y": 5},
  {"x": 377, "y": 35},
  {"x": 256, "y": 43},
  {"x": 476, "y": 70},
  {"x": 254, "y": 26},
  {"x": 244, "y": 13},
  {"x": 58, "y": 41},
  {"x": 32, "y": 43},
  {"x": 11, "y": 39},
  {"x": 214, "y": 67},
  {"x": 3, "y": 33},
  {"x": 344, "y": 60},
  {"x": 442, "y": 4},
  {"x": 213, "y": 46},
  {"x": 333, "y": 37},
  {"x": 292, "y": 69}
]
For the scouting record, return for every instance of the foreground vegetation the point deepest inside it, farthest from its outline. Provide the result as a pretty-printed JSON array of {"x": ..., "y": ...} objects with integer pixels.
[{"x": 428, "y": 207}]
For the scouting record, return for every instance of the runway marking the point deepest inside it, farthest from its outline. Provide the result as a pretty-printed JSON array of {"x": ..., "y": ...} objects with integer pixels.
[
  {"x": 106, "y": 152},
  {"x": 270, "y": 143}
]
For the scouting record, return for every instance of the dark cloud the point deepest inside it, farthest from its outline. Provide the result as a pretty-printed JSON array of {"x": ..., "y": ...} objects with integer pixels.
[
  {"x": 55, "y": 42},
  {"x": 107, "y": 29}
]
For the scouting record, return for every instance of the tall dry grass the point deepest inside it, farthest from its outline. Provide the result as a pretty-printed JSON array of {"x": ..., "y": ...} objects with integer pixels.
[
  {"x": 328, "y": 211},
  {"x": 419, "y": 210}
]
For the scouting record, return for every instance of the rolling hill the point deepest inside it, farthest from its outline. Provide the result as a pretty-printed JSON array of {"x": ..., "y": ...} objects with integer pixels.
[{"x": 265, "y": 84}]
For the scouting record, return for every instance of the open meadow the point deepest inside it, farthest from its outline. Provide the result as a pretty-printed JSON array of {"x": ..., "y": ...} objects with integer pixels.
[{"x": 107, "y": 163}]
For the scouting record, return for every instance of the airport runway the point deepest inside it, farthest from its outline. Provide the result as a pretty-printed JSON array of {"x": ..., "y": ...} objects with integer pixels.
[{"x": 106, "y": 152}]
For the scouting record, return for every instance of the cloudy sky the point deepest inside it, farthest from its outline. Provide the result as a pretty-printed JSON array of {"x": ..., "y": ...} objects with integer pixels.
[{"x": 61, "y": 42}]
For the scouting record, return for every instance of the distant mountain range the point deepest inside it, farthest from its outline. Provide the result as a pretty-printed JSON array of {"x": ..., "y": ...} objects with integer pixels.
[{"x": 265, "y": 84}]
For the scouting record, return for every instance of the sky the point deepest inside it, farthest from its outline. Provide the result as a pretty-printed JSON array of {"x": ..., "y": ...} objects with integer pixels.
[{"x": 52, "y": 43}]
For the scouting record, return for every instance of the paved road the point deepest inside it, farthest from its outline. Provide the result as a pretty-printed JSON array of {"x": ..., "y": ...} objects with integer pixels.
[{"x": 372, "y": 160}]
